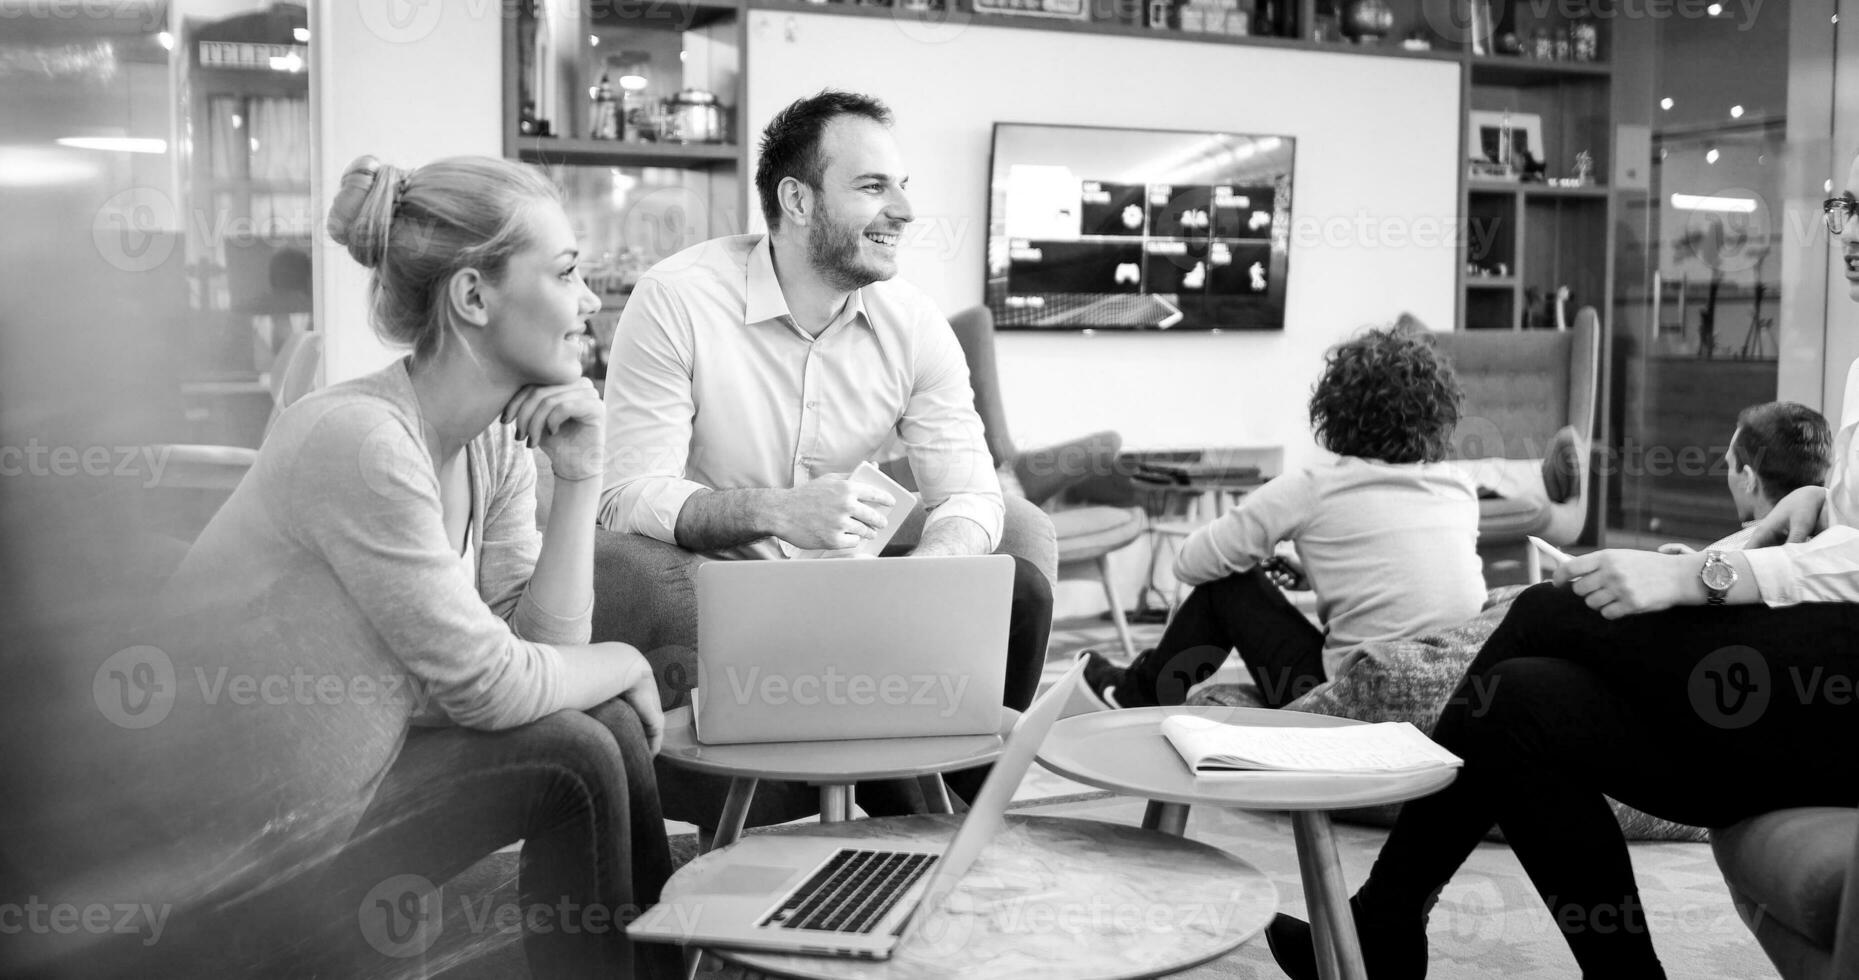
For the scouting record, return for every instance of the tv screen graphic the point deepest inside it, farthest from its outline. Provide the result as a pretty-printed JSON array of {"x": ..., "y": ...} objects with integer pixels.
[{"x": 1092, "y": 228}]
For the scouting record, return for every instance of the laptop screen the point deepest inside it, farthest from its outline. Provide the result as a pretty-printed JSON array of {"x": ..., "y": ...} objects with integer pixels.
[{"x": 988, "y": 812}]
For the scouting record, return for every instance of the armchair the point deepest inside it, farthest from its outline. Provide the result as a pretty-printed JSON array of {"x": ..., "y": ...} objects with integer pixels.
[
  {"x": 1523, "y": 392},
  {"x": 1794, "y": 876},
  {"x": 297, "y": 371},
  {"x": 195, "y": 479},
  {"x": 1086, "y": 536}
]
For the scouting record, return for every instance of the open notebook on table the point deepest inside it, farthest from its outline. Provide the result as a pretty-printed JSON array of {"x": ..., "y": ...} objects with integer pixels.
[{"x": 1214, "y": 749}]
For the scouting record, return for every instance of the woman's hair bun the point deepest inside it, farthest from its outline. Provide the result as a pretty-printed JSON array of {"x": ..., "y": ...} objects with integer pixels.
[{"x": 363, "y": 209}]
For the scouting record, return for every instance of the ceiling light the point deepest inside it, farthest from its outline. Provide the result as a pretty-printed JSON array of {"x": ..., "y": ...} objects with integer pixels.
[
  {"x": 1665, "y": 104},
  {"x": 166, "y": 40},
  {"x": 593, "y": 40},
  {"x": 1706, "y": 202},
  {"x": 1715, "y": 9},
  {"x": 1736, "y": 112},
  {"x": 1712, "y": 156},
  {"x": 36, "y": 166},
  {"x": 633, "y": 83},
  {"x": 302, "y": 34},
  {"x": 114, "y": 144}
]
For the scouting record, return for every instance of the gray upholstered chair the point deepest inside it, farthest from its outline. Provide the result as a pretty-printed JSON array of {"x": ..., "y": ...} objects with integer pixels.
[
  {"x": 1520, "y": 390},
  {"x": 1794, "y": 876},
  {"x": 1086, "y": 535},
  {"x": 297, "y": 371}
]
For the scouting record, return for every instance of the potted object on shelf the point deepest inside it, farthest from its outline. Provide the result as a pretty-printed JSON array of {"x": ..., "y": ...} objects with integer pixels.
[
  {"x": 604, "y": 121},
  {"x": 1368, "y": 21},
  {"x": 693, "y": 116}
]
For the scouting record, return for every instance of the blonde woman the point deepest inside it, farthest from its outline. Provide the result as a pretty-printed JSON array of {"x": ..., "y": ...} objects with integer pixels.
[{"x": 388, "y": 532}]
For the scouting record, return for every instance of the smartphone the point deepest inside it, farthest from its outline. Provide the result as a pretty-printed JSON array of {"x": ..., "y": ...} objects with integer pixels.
[{"x": 903, "y": 502}]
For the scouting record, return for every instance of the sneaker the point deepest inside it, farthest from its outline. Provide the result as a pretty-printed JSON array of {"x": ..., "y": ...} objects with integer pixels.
[{"x": 1101, "y": 678}]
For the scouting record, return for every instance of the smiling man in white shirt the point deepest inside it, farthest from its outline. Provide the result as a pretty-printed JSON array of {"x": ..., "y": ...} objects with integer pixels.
[{"x": 751, "y": 374}]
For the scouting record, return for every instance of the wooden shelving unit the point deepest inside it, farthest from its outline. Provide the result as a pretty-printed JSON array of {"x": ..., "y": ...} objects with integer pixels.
[{"x": 1542, "y": 236}]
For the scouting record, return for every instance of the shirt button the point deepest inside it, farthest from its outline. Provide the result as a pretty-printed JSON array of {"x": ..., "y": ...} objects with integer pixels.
[{"x": 812, "y": 406}]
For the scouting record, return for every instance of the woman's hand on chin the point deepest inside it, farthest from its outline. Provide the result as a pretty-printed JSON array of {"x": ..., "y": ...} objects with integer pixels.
[{"x": 568, "y": 421}]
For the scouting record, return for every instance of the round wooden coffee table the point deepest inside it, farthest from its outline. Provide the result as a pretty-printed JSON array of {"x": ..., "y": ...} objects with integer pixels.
[
  {"x": 834, "y": 766},
  {"x": 1123, "y": 751},
  {"x": 1050, "y": 899}
]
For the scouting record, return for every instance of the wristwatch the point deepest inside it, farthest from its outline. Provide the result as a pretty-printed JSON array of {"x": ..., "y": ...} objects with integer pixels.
[{"x": 1718, "y": 576}]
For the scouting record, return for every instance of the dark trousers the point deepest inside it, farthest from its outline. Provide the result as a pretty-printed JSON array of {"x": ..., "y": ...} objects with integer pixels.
[
  {"x": 575, "y": 787},
  {"x": 1280, "y": 647},
  {"x": 1700, "y": 715},
  {"x": 1029, "y": 627},
  {"x": 698, "y": 797}
]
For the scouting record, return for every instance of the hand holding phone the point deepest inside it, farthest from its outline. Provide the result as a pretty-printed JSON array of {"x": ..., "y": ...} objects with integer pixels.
[
  {"x": 903, "y": 502},
  {"x": 1285, "y": 573}
]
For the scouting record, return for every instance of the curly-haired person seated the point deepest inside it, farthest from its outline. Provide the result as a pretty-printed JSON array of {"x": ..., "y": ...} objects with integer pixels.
[{"x": 1386, "y": 534}]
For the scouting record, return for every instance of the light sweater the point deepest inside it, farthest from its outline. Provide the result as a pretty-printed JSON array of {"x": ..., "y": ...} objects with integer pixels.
[
  {"x": 1390, "y": 549},
  {"x": 332, "y": 555}
]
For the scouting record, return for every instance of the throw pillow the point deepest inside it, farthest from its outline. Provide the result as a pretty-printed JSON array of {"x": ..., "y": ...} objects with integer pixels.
[{"x": 1562, "y": 466}]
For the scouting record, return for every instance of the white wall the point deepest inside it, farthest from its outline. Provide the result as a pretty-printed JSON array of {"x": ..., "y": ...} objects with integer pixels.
[
  {"x": 408, "y": 83},
  {"x": 1377, "y": 156}
]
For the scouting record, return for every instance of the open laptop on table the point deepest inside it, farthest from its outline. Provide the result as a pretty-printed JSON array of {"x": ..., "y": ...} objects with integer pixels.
[
  {"x": 827, "y": 898},
  {"x": 848, "y": 648}
]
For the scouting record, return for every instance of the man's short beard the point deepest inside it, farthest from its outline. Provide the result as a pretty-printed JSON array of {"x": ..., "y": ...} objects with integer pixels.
[{"x": 835, "y": 256}]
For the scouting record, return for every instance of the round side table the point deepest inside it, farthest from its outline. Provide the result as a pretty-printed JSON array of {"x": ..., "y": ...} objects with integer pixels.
[
  {"x": 1124, "y": 751},
  {"x": 1050, "y": 899},
  {"x": 835, "y": 766}
]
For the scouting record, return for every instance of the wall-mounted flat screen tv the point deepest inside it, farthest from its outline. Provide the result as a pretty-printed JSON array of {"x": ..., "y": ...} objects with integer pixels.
[{"x": 1137, "y": 229}]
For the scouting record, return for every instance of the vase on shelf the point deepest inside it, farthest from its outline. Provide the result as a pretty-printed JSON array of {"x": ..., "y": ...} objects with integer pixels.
[{"x": 1367, "y": 21}]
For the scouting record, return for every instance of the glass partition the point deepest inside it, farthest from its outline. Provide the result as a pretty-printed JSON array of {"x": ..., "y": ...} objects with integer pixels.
[{"x": 1724, "y": 141}]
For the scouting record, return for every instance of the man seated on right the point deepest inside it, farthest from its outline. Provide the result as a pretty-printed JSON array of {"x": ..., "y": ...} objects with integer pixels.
[{"x": 1776, "y": 449}]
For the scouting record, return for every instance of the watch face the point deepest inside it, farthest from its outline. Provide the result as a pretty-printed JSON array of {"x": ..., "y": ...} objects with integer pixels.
[{"x": 1719, "y": 575}]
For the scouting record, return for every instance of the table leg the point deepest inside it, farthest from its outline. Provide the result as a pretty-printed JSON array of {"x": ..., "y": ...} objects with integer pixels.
[
  {"x": 835, "y": 802},
  {"x": 693, "y": 960},
  {"x": 735, "y": 812},
  {"x": 935, "y": 793},
  {"x": 1333, "y": 928},
  {"x": 1169, "y": 818}
]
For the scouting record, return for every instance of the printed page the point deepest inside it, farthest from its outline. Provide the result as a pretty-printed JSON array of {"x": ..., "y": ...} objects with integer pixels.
[{"x": 1211, "y": 747}]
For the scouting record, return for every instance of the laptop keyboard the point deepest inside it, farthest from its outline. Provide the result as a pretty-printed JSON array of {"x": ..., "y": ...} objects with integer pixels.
[{"x": 852, "y": 891}]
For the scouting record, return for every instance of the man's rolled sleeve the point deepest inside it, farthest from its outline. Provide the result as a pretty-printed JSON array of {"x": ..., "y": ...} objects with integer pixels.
[
  {"x": 989, "y": 513},
  {"x": 944, "y": 438},
  {"x": 649, "y": 410},
  {"x": 1825, "y": 569}
]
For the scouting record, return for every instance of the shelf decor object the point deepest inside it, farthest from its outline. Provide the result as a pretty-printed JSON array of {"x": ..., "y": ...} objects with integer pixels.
[{"x": 1065, "y": 9}]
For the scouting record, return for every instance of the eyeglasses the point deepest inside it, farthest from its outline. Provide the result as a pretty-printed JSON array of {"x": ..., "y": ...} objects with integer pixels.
[{"x": 1838, "y": 212}]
